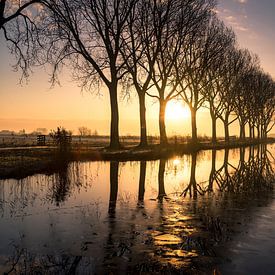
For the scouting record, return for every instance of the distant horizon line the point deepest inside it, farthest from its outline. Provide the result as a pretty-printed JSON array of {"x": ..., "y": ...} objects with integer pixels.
[{"x": 93, "y": 135}]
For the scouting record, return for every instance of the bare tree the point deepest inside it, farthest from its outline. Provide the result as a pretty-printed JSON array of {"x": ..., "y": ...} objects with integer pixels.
[
  {"x": 204, "y": 49},
  {"x": 176, "y": 22},
  {"x": 87, "y": 36},
  {"x": 11, "y": 10},
  {"x": 233, "y": 64},
  {"x": 164, "y": 49},
  {"x": 193, "y": 188},
  {"x": 140, "y": 32},
  {"x": 18, "y": 22},
  {"x": 256, "y": 84},
  {"x": 264, "y": 102},
  {"x": 84, "y": 131},
  {"x": 165, "y": 31},
  {"x": 243, "y": 91},
  {"x": 215, "y": 73},
  {"x": 266, "y": 107}
]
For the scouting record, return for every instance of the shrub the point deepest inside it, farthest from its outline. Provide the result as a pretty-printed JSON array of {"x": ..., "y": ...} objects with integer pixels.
[{"x": 62, "y": 138}]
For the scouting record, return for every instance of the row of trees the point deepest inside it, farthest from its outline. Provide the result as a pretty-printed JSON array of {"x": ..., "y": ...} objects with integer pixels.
[{"x": 166, "y": 50}]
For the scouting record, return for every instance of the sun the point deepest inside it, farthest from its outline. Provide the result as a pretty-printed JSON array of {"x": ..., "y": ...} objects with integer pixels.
[
  {"x": 176, "y": 111},
  {"x": 176, "y": 162}
]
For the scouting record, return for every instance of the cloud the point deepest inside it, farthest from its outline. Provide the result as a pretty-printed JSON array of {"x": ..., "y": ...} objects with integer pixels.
[
  {"x": 241, "y": 28},
  {"x": 235, "y": 23},
  {"x": 232, "y": 19},
  {"x": 241, "y": 1},
  {"x": 237, "y": 20}
]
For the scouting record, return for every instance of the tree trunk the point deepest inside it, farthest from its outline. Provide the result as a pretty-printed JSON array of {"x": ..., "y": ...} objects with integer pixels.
[
  {"x": 194, "y": 125},
  {"x": 162, "y": 128},
  {"x": 253, "y": 132},
  {"x": 142, "y": 175},
  {"x": 226, "y": 128},
  {"x": 242, "y": 130},
  {"x": 142, "y": 118},
  {"x": 250, "y": 131},
  {"x": 2, "y": 15},
  {"x": 258, "y": 132},
  {"x": 114, "y": 135},
  {"x": 214, "y": 127}
]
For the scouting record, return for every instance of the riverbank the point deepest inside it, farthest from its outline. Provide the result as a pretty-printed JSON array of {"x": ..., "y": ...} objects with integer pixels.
[{"x": 20, "y": 162}]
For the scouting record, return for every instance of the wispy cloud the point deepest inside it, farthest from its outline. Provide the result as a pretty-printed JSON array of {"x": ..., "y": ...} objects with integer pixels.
[
  {"x": 241, "y": 1},
  {"x": 242, "y": 29},
  {"x": 237, "y": 20},
  {"x": 235, "y": 23}
]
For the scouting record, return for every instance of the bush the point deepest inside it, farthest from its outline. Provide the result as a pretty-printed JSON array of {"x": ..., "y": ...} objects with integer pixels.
[{"x": 62, "y": 139}]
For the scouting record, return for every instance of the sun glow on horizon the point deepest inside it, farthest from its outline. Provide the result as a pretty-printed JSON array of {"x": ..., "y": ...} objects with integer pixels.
[
  {"x": 176, "y": 111},
  {"x": 176, "y": 162}
]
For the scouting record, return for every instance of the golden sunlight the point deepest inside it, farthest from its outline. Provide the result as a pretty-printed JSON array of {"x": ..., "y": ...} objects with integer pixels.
[
  {"x": 176, "y": 110},
  {"x": 176, "y": 162}
]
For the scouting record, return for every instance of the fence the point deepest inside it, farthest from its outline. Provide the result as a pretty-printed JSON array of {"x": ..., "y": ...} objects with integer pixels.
[{"x": 41, "y": 140}]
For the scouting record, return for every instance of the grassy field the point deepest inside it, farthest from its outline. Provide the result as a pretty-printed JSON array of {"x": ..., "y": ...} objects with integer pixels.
[{"x": 92, "y": 141}]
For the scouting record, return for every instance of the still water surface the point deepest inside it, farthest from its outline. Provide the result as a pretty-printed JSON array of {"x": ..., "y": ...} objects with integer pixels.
[{"x": 196, "y": 213}]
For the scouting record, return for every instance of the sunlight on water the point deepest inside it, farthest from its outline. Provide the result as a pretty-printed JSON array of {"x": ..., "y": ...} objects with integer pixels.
[
  {"x": 176, "y": 162},
  {"x": 165, "y": 211}
]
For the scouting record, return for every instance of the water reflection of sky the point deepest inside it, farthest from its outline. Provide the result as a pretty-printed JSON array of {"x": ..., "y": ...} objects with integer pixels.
[{"x": 92, "y": 208}]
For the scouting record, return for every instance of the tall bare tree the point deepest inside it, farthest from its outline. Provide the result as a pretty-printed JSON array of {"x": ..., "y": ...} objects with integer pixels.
[
  {"x": 87, "y": 35},
  {"x": 224, "y": 38},
  {"x": 233, "y": 64},
  {"x": 205, "y": 48},
  {"x": 243, "y": 91},
  {"x": 138, "y": 37},
  {"x": 265, "y": 103},
  {"x": 175, "y": 23}
]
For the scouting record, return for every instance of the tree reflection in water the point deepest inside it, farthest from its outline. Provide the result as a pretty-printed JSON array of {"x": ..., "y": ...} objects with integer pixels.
[
  {"x": 161, "y": 193},
  {"x": 68, "y": 180},
  {"x": 113, "y": 187},
  {"x": 62, "y": 184},
  {"x": 192, "y": 188},
  {"x": 178, "y": 233},
  {"x": 141, "y": 186}
]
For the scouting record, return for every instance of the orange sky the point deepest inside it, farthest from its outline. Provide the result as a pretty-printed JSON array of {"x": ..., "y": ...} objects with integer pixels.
[{"x": 36, "y": 105}]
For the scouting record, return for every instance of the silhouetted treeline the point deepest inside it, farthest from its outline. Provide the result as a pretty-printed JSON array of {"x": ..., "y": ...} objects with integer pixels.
[{"x": 167, "y": 50}]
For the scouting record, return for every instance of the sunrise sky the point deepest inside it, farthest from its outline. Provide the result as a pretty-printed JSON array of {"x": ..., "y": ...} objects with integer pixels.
[{"x": 35, "y": 105}]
